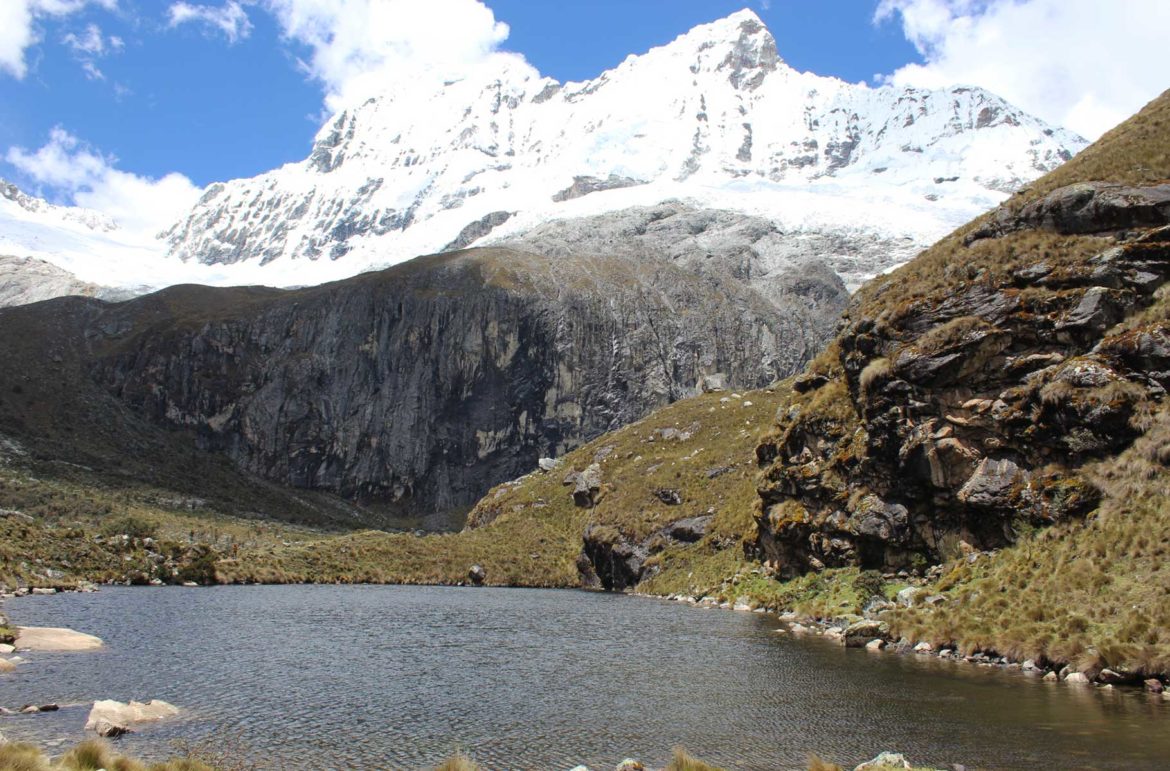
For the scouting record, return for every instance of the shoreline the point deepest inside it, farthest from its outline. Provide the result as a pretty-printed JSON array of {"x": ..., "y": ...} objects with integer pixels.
[{"x": 797, "y": 625}]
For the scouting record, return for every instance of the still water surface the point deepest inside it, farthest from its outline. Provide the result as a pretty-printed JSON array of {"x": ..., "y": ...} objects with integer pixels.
[{"x": 401, "y": 677}]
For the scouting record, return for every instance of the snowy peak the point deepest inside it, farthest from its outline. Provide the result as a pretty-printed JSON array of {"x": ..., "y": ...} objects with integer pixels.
[
  {"x": 715, "y": 119},
  {"x": 20, "y": 204},
  {"x": 740, "y": 45}
]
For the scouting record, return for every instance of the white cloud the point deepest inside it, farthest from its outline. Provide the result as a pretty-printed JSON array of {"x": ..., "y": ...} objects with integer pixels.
[
  {"x": 92, "y": 71},
  {"x": 18, "y": 27},
  {"x": 230, "y": 19},
  {"x": 358, "y": 46},
  {"x": 90, "y": 45},
  {"x": 85, "y": 177},
  {"x": 88, "y": 42},
  {"x": 1081, "y": 64}
]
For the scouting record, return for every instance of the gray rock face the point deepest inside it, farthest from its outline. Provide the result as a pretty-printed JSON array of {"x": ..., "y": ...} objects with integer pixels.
[
  {"x": 416, "y": 389},
  {"x": 477, "y": 230},
  {"x": 583, "y": 186},
  {"x": 26, "y": 280},
  {"x": 792, "y": 271}
]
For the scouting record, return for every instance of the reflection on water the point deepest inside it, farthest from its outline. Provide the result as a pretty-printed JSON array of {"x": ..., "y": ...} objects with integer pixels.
[{"x": 401, "y": 677}]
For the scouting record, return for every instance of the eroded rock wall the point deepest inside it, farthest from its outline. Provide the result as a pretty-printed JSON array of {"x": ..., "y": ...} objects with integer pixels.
[
  {"x": 949, "y": 417},
  {"x": 418, "y": 388}
]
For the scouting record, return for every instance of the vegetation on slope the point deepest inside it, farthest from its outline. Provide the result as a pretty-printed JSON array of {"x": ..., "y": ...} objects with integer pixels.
[{"x": 1010, "y": 378}]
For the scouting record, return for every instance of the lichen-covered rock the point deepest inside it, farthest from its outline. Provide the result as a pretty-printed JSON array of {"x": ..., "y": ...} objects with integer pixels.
[{"x": 955, "y": 418}]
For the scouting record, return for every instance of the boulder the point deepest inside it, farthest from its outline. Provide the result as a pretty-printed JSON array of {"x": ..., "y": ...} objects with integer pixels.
[
  {"x": 43, "y": 638},
  {"x": 875, "y": 645},
  {"x": 881, "y": 521},
  {"x": 587, "y": 486},
  {"x": 617, "y": 562},
  {"x": 1113, "y": 677},
  {"x": 688, "y": 530},
  {"x": 629, "y": 764},
  {"x": 1153, "y": 685},
  {"x": 906, "y": 596},
  {"x": 476, "y": 574},
  {"x": 860, "y": 633},
  {"x": 991, "y": 485},
  {"x": 668, "y": 496},
  {"x": 548, "y": 464},
  {"x": 1097, "y": 310},
  {"x": 923, "y": 647},
  {"x": 1051, "y": 677},
  {"x": 884, "y": 762},
  {"x": 1077, "y": 678},
  {"x": 107, "y": 730},
  {"x": 118, "y": 715},
  {"x": 7, "y": 666},
  {"x": 43, "y": 591}
]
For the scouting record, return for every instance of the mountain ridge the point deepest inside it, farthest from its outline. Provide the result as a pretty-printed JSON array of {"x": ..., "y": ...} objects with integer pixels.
[{"x": 715, "y": 119}]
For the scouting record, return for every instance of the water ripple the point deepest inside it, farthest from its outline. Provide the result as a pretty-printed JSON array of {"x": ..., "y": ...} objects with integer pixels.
[{"x": 402, "y": 677}]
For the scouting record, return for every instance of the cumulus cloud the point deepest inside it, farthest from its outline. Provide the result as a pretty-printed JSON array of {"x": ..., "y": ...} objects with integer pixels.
[
  {"x": 358, "y": 46},
  {"x": 18, "y": 30},
  {"x": 1075, "y": 63},
  {"x": 88, "y": 178},
  {"x": 230, "y": 19}
]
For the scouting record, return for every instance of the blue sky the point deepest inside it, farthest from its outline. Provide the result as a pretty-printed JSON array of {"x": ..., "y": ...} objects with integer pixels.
[
  {"x": 110, "y": 103},
  {"x": 186, "y": 99}
]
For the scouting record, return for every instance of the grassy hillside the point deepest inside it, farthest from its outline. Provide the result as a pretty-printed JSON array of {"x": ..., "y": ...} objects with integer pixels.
[{"x": 991, "y": 347}]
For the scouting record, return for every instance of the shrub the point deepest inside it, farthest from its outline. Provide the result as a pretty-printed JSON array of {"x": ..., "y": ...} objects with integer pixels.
[
  {"x": 684, "y": 762},
  {"x": 131, "y": 525}
]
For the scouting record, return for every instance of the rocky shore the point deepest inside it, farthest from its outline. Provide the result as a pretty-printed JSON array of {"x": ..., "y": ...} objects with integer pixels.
[{"x": 871, "y": 632}]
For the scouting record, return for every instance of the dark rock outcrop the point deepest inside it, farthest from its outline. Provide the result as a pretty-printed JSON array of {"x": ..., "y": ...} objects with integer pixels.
[
  {"x": 416, "y": 389},
  {"x": 1087, "y": 207},
  {"x": 957, "y": 419}
]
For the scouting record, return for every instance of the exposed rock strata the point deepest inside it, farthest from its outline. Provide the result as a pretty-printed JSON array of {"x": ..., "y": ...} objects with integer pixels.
[
  {"x": 957, "y": 419},
  {"x": 416, "y": 389}
]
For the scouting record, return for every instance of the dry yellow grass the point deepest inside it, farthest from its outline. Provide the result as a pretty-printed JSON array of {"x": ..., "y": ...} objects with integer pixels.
[
  {"x": 1093, "y": 594},
  {"x": 90, "y": 755}
]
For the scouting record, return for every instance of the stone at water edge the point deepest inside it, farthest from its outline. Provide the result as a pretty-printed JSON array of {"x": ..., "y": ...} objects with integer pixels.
[
  {"x": 476, "y": 574},
  {"x": 885, "y": 761},
  {"x": 124, "y": 715},
  {"x": 1154, "y": 686},
  {"x": 629, "y": 764},
  {"x": 5, "y": 648},
  {"x": 1051, "y": 677},
  {"x": 7, "y": 666},
  {"x": 107, "y": 730},
  {"x": 43, "y": 638},
  {"x": 923, "y": 647},
  {"x": 1077, "y": 678},
  {"x": 860, "y": 633},
  {"x": 875, "y": 645}
]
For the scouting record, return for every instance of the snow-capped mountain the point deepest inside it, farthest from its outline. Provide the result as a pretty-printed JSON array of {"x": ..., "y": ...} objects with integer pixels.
[{"x": 715, "y": 119}]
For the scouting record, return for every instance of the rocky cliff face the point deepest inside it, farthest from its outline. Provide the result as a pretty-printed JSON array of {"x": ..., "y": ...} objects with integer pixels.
[
  {"x": 969, "y": 393},
  {"x": 416, "y": 389}
]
